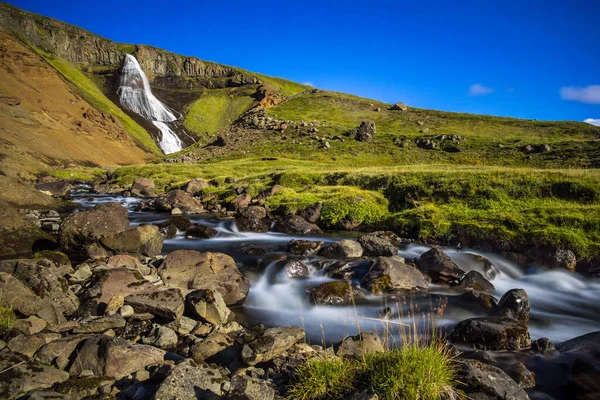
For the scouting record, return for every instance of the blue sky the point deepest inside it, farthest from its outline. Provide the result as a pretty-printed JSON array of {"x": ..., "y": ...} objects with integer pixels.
[{"x": 528, "y": 59}]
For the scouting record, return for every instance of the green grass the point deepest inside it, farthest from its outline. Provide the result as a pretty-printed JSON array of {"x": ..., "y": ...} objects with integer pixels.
[
  {"x": 413, "y": 371},
  {"x": 216, "y": 109},
  {"x": 7, "y": 317},
  {"x": 93, "y": 95},
  {"x": 126, "y": 48},
  {"x": 80, "y": 174},
  {"x": 287, "y": 88}
]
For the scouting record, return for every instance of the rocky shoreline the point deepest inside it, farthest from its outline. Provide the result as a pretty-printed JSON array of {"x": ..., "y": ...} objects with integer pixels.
[{"x": 109, "y": 316}]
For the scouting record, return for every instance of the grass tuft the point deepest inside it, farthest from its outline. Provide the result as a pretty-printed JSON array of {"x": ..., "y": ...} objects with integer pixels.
[
  {"x": 323, "y": 378},
  {"x": 7, "y": 317}
]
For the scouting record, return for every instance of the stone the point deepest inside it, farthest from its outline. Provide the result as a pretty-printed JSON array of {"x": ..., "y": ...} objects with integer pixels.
[
  {"x": 543, "y": 346},
  {"x": 244, "y": 387},
  {"x": 115, "y": 303},
  {"x": 208, "y": 305},
  {"x": 265, "y": 194},
  {"x": 333, "y": 293},
  {"x": 304, "y": 247},
  {"x": 399, "y": 106},
  {"x": 364, "y": 132},
  {"x": 588, "y": 344},
  {"x": 482, "y": 381},
  {"x": 491, "y": 333},
  {"x": 294, "y": 224},
  {"x": 85, "y": 228},
  {"x": 126, "y": 311},
  {"x": 239, "y": 202},
  {"x": 167, "y": 303},
  {"x": 191, "y": 381},
  {"x": 20, "y": 375},
  {"x": 253, "y": 220},
  {"x": 216, "y": 348},
  {"x": 392, "y": 275},
  {"x": 271, "y": 344},
  {"x": 360, "y": 345},
  {"x": 475, "y": 301},
  {"x": 26, "y": 345},
  {"x": 296, "y": 269},
  {"x": 564, "y": 259},
  {"x": 59, "y": 352},
  {"x": 82, "y": 274},
  {"x": 312, "y": 213},
  {"x": 100, "y": 324},
  {"x": 439, "y": 267},
  {"x": 29, "y": 326},
  {"x": 189, "y": 270},
  {"x": 145, "y": 240},
  {"x": 195, "y": 185},
  {"x": 474, "y": 280},
  {"x": 162, "y": 337},
  {"x": 143, "y": 187},
  {"x": 18, "y": 296},
  {"x": 179, "y": 199},
  {"x": 59, "y": 188},
  {"x": 184, "y": 325},
  {"x": 521, "y": 375},
  {"x": 376, "y": 246},
  {"x": 200, "y": 231},
  {"x": 344, "y": 249},
  {"x": 515, "y": 304}
]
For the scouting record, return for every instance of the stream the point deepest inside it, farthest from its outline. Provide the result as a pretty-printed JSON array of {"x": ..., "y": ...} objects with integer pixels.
[{"x": 564, "y": 304}]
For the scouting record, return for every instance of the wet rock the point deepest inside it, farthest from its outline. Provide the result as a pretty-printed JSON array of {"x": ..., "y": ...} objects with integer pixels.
[
  {"x": 100, "y": 324},
  {"x": 195, "y": 186},
  {"x": 304, "y": 247},
  {"x": 392, "y": 275},
  {"x": 59, "y": 188},
  {"x": 181, "y": 200},
  {"x": 85, "y": 228},
  {"x": 343, "y": 249},
  {"x": 271, "y": 344},
  {"x": 474, "y": 280},
  {"x": 191, "y": 381},
  {"x": 143, "y": 187},
  {"x": 364, "y": 132},
  {"x": 145, "y": 240},
  {"x": 491, "y": 333},
  {"x": 200, "y": 231},
  {"x": 239, "y": 203},
  {"x": 217, "y": 348},
  {"x": 181, "y": 223},
  {"x": 162, "y": 337},
  {"x": 359, "y": 345},
  {"x": 543, "y": 346},
  {"x": 564, "y": 259},
  {"x": 244, "y": 387},
  {"x": 588, "y": 344},
  {"x": 482, "y": 381},
  {"x": 294, "y": 224},
  {"x": 312, "y": 213},
  {"x": 253, "y": 220},
  {"x": 333, "y": 293},
  {"x": 208, "y": 305},
  {"x": 167, "y": 304},
  {"x": 375, "y": 246},
  {"x": 475, "y": 301},
  {"x": 189, "y": 270},
  {"x": 515, "y": 304},
  {"x": 521, "y": 375},
  {"x": 29, "y": 326},
  {"x": 21, "y": 375},
  {"x": 296, "y": 269},
  {"x": 440, "y": 267}
]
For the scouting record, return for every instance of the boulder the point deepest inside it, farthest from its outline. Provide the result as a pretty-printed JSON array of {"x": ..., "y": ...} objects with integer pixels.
[
  {"x": 333, "y": 293},
  {"x": 296, "y": 269},
  {"x": 239, "y": 203},
  {"x": 189, "y": 270},
  {"x": 21, "y": 375},
  {"x": 217, "y": 348},
  {"x": 588, "y": 344},
  {"x": 179, "y": 199},
  {"x": 482, "y": 381},
  {"x": 491, "y": 333},
  {"x": 167, "y": 303},
  {"x": 143, "y": 187},
  {"x": 364, "y": 132},
  {"x": 294, "y": 224},
  {"x": 515, "y": 304},
  {"x": 399, "y": 106},
  {"x": 245, "y": 387},
  {"x": 28, "y": 345},
  {"x": 58, "y": 188},
  {"x": 19, "y": 235},
  {"x": 564, "y": 259},
  {"x": 252, "y": 220},
  {"x": 123, "y": 261},
  {"x": 343, "y": 249},
  {"x": 59, "y": 351},
  {"x": 312, "y": 213},
  {"x": 439, "y": 267},
  {"x": 18, "y": 296},
  {"x": 162, "y": 337},
  {"x": 208, "y": 305},
  {"x": 195, "y": 185},
  {"x": 544, "y": 347},
  {"x": 271, "y": 344},
  {"x": 85, "y": 228},
  {"x": 521, "y": 375},
  {"x": 29, "y": 326},
  {"x": 100, "y": 324},
  {"x": 304, "y": 247},
  {"x": 359, "y": 345},
  {"x": 191, "y": 381},
  {"x": 201, "y": 231},
  {"x": 392, "y": 275},
  {"x": 265, "y": 194},
  {"x": 474, "y": 280},
  {"x": 144, "y": 240},
  {"x": 375, "y": 246}
]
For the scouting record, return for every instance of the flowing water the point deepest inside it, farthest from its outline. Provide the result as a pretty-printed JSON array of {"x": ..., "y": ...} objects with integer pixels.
[
  {"x": 564, "y": 304},
  {"x": 135, "y": 94}
]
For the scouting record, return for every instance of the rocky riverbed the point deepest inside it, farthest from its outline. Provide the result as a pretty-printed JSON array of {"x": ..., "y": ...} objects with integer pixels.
[{"x": 170, "y": 297}]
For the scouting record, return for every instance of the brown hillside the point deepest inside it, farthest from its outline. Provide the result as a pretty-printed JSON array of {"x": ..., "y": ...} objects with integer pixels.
[{"x": 44, "y": 123}]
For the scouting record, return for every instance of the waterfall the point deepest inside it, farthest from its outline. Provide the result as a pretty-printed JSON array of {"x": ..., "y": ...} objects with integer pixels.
[{"x": 135, "y": 94}]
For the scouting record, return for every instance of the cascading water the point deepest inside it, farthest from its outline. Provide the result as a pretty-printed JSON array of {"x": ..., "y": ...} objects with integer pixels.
[{"x": 135, "y": 94}]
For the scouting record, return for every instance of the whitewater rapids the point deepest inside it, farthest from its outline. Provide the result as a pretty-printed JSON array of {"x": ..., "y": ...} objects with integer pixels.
[{"x": 135, "y": 94}]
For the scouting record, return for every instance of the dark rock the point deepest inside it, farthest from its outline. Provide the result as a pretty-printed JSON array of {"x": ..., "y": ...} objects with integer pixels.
[
  {"x": 181, "y": 200},
  {"x": 18, "y": 296},
  {"x": 588, "y": 344},
  {"x": 392, "y": 275},
  {"x": 451, "y": 149},
  {"x": 167, "y": 303},
  {"x": 515, "y": 304},
  {"x": 521, "y": 375},
  {"x": 294, "y": 224},
  {"x": 364, "y": 132},
  {"x": 359, "y": 345},
  {"x": 253, "y": 220},
  {"x": 296, "y": 269},
  {"x": 440, "y": 267},
  {"x": 143, "y": 187},
  {"x": 162, "y": 337},
  {"x": 265, "y": 194},
  {"x": 376, "y": 246},
  {"x": 201, "y": 231},
  {"x": 244, "y": 387},
  {"x": 491, "y": 333},
  {"x": 482, "y": 381},
  {"x": 304, "y": 247},
  {"x": 190, "y": 270},
  {"x": 474, "y": 280},
  {"x": 564, "y": 259},
  {"x": 144, "y": 239},
  {"x": 312, "y": 213},
  {"x": 21, "y": 375},
  {"x": 271, "y": 344},
  {"x": 239, "y": 203},
  {"x": 333, "y": 293},
  {"x": 195, "y": 185},
  {"x": 543, "y": 346},
  {"x": 191, "y": 381},
  {"x": 476, "y": 301},
  {"x": 59, "y": 188},
  {"x": 343, "y": 249}
]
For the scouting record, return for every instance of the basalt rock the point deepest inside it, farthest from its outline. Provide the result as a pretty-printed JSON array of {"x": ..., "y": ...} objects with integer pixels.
[
  {"x": 482, "y": 381},
  {"x": 217, "y": 348},
  {"x": 392, "y": 275},
  {"x": 364, "y": 132},
  {"x": 294, "y": 224},
  {"x": 474, "y": 280},
  {"x": 491, "y": 333},
  {"x": 239, "y": 203},
  {"x": 440, "y": 267},
  {"x": 333, "y": 293},
  {"x": 59, "y": 188},
  {"x": 21, "y": 375},
  {"x": 143, "y": 240},
  {"x": 376, "y": 246},
  {"x": 207, "y": 305},
  {"x": 181, "y": 200},
  {"x": 515, "y": 304},
  {"x": 201, "y": 231},
  {"x": 296, "y": 269},
  {"x": 343, "y": 249}
]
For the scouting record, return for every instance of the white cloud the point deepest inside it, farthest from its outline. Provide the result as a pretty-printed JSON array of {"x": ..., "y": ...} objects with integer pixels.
[
  {"x": 593, "y": 121},
  {"x": 479, "y": 90},
  {"x": 589, "y": 94},
  {"x": 308, "y": 84}
]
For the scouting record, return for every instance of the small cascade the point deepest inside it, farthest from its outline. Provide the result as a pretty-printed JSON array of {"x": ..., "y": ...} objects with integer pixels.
[{"x": 135, "y": 94}]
